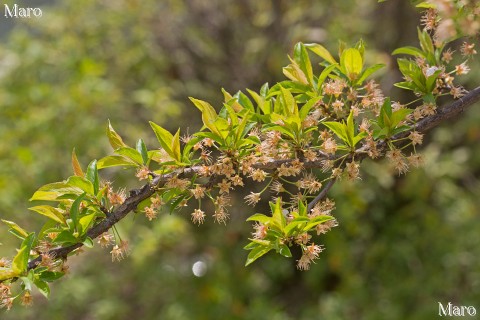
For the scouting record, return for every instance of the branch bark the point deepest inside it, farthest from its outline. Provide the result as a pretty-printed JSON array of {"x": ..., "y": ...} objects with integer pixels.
[{"x": 138, "y": 195}]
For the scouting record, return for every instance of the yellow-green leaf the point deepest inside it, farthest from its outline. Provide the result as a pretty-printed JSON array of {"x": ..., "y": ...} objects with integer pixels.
[
  {"x": 256, "y": 253},
  {"x": 54, "y": 190},
  {"x": 20, "y": 261},
  {"x": 164, "y": 137},
  {"x": 81, "y": 183},
  {"x": 49, "y": 212},
  {"x": 114, "y": 138},
  {"x": 351, "y": 62},
  {"x": 176, "y": 146},
  {"x": 208, "y": 114},
  {"x": 231, "y": 101},
  {"x": 320, "y": 51},
  {"x": 16, "y": 228}
]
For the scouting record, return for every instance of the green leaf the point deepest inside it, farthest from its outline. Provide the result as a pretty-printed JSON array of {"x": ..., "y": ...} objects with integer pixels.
[
  {"x": 43, "y": 287},
  {"x": 316, "y": 221},
  {"x": 295, "y": 73},
  {"x": 300, "y": 55},
  {"x": 406, "y": 85},
  {"x": 19, "y": 231},
  {"x": 359, "y": 137},
  {"x": 431, "y": 80},
  {"x": 50, "y": 276},
  {"x": 256, "y": 253},
  {"x": 278, "y": 218},
  {"x": 65, "y": 237},
  {"x": 20, "y": 261},
  {"x": 338, "y": 128},
  {"x": 86, "y": 221},
  {"x": 260, "y": 218},
  {"x": 88, "y": 242},
  {"x": 244, "y": 101},
  {"x": 352, "y": 63},
  {"x": 303, "y": 113},
  {"x": 142, "y": 150},
  {"x": 425, "y": 41},
  {"x": 27, "y": 283},
  {"x": 176, "y": 146},
  {"x": 231, "y": 101},
  {"x": 295, "y": 224},
  {"x": 75, "y": 210},
  {"x": 81, "y": 183},
  {"x": 164, "y": 137},
  {"x": 131, "y": 154},
  {"x": 413, "y": 51},
  {"x": 52, "y": 191},
  {"x": 208, "y": 114},
  {"x": 115, "y": 161},
  {"x": 232, "y": 115},
  {"x": 399, "y": 115},
  {"x": 290, "y": 104},
  {"x": 77, "y": 168},
  {"x": 426, "y": 5},
  {"x": 92, "y": 175},
  {"x": 325, "y": 73},
  {"x": 49, "y": 212},
  {"x": 176, "y": 203},
  {"x": 369, "y": 71},
  {"x": 321, "y": 52},
  {"x": 113, "y": 137},
  {"x": 350, "y": 130},
  {"x": 285, "y": 251}
]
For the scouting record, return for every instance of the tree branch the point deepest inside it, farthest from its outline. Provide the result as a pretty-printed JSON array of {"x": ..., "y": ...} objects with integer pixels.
[
  {"x": 138, "y": 195},
  {"x": 321, "y": 195}
]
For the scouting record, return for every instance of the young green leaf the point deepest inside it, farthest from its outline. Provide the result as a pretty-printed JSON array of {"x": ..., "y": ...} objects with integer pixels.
[
  {"x": 164, "y": 137},
  {"x": 208, "y": 114},
  {"x": 338, "y": 128},
  {"x": 300, "y": 55},
  {"x": 131, "y": 154},
  {"x": 256, "y": 253},
  {"x": 88, "y": 242},
  {"x": 413, "y": 51},
  {"x": 115, "y": 161},
  {"x": 351, "y": 63},
  {"x": 49, "y": 212},
  {"x": 113, "y": 137},
  {"x": 176, "y": 146},
  {"x": 81, "y": 183},
  {"x": 368, "y": 72},
  {"x": 53, "y": 191},
  {"x": 50, "y": 276},
  {"x": 142, "y": 150},
  {"x": 92, "y": 175},
  {"x": 16, "y": 230},
  {"x": 260, "y": 218},
  {"x": 43, "y": 287},
  {"x": 75, "y": 210},
  {"x": 65, "y": 237},
  {"x": 20, "y": 261},
  {"x": 320, "y": 51}
]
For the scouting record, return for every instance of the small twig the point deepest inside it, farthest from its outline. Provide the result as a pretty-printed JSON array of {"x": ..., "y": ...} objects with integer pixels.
[{"x": 321, "y": 195}]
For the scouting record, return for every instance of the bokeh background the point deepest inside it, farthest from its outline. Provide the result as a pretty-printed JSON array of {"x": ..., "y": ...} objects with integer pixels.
[{"x": 403, "y": 244}]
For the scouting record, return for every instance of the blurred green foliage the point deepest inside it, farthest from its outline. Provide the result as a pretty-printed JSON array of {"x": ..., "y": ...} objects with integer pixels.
[{"x": 403, "y": 244}]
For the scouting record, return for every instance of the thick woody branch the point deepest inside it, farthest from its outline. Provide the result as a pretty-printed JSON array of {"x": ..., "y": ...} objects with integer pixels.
[
  {"x": 450, "y": 111},
  {"x": 138, "y": 195}
]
